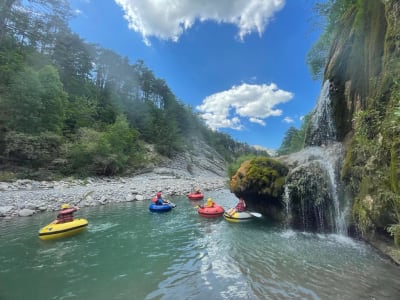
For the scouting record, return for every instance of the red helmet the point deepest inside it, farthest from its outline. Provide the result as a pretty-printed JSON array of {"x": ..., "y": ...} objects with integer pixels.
[{"x": 158, "y": 194}]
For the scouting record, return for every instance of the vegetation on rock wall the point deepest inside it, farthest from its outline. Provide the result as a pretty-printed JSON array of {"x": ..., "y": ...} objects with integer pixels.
[{"x": 364, "y": 66}]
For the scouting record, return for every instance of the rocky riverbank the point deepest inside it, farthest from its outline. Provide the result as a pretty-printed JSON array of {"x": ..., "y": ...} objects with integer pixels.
[{"x": 27, "y": 197}]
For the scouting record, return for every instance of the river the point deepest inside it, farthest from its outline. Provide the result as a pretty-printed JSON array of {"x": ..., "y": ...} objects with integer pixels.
[{"x": 128, "y": 252}]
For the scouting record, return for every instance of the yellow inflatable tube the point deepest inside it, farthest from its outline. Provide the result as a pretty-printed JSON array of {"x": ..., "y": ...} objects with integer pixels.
[{"x": 55, "y": 231}]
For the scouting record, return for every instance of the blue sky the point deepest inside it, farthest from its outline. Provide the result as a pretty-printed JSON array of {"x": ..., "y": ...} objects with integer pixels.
[{"x": 241, "y": 64}]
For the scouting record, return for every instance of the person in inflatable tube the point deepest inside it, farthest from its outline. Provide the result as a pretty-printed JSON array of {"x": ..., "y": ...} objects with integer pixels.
[
  {"x": 160, "y": 200},
  {"x": 66, "y": 214},
  {"x": 240, "y": 206},
  {"x": 209, "y": 203}
]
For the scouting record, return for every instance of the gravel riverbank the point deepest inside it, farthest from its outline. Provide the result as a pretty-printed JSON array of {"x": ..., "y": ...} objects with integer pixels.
[{"x": 27, "y": 197}]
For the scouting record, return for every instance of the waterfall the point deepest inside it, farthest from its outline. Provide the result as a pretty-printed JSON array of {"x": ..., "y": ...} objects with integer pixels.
[
  {"x": 313, "y": 189},
  {"x": 322, "y": 129}
]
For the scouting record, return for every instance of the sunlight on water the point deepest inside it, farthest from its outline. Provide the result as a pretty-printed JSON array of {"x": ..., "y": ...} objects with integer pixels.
[{"x": 127, "y": 252}]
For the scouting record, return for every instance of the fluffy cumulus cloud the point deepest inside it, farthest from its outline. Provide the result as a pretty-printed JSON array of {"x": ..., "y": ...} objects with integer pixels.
[
  {"x": 252, "y": 102},
  {"x": 168, "y": 19}
]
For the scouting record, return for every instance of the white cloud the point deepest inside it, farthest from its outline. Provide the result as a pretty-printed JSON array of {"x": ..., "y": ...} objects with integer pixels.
[
  {"x": 256, "y": 120},
  {"x": 288, "y": 120},
  {"x": 254, "y": 102},
  {"x": 168, "y": 19}
]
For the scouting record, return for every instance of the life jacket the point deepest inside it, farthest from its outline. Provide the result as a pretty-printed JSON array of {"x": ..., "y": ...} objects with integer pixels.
[
  {"x": 240, "y": 206},
  {"x": 160, "y": 201},
  {"x": 66, "y": 215}
]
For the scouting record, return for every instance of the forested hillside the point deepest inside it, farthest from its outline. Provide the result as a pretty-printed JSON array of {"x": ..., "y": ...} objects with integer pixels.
[{"x": 68, "y": 107}]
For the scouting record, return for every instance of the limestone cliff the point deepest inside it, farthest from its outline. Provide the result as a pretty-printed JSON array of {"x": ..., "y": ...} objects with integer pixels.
[{"x": 364, "y": 68}]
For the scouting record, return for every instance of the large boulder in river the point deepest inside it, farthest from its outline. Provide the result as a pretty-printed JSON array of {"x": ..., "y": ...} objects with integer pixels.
[
  {"x": 314, "y": 195},
  {"x": 310, "y": 202},
  {"x": 260, "y": 181}
]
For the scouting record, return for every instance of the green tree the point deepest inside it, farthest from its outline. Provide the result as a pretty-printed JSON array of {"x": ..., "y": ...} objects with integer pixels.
[
  {"x": 73, "y": 61},
  {"x": 22, "y": 105},
  {"x": 291, "y": 142},
  {"x": 104, "y": 153},
  {"x": 294, "y": 138},
  {"x": 53, "y": 100}
]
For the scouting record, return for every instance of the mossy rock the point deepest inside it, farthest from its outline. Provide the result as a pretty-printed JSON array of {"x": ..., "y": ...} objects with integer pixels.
[{"x": 259, "y": 177}]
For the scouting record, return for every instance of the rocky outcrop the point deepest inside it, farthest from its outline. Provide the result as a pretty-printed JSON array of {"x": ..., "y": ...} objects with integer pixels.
[
  {"x": 260, "y": 181},
  {"x": 198, "y": 160},
  {"x": 313, "y": 189}
]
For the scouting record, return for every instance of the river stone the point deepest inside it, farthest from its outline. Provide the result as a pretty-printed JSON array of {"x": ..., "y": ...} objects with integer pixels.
[
  {"x": 103, "y": 200},
  {"x": 5, "y": 210},
  {"x": 139, "y": 198},
  {"x": 3, "y": 186},
  {"x": 129, "y": 198},
  {"x": 26, "y": 212}
]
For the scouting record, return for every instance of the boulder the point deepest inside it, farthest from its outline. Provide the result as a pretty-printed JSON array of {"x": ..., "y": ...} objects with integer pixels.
[
  {"x": 26, "y": 212},
  {"x": 6, "y": 210},
  {"x": 260, "y": 182}
]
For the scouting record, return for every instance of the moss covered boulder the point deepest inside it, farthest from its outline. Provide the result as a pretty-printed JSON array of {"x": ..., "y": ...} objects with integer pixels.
[{"x": 260, "y": 181}]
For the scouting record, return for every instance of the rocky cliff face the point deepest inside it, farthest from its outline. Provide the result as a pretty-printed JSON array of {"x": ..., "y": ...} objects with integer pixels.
[
  {"x": 364, "y": 68},
  {"x": 199, "y": 160}
]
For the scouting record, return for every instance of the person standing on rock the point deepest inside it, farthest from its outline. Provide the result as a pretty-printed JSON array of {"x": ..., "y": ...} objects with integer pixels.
[{"x": 66, "y": 214}]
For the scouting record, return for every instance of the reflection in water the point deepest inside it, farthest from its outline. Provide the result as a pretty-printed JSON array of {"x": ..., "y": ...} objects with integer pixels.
[{"x": 128, "y": 252}]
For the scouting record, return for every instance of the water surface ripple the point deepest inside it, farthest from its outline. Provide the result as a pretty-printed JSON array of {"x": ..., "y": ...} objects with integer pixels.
[{"x": 128, "y": 252}]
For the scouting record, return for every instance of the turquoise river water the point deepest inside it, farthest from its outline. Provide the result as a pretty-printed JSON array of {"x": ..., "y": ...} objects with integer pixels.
[{"x": 127, "y": 252}]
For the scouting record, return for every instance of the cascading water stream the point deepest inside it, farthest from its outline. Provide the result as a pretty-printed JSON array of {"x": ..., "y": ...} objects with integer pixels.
[
  {"x": 313, "y": 187},
  {"x": 322, "y": 129}
]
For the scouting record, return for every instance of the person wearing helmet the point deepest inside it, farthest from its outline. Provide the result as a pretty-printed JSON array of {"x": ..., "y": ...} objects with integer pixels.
[
  {"x": 66, "y": 214},
  {"x": 160, "y": 200},
  {"x": 209, "y": 203}
]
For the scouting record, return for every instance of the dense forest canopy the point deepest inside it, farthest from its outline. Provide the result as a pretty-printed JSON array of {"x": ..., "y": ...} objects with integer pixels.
[{"x": 77, "y": 108}]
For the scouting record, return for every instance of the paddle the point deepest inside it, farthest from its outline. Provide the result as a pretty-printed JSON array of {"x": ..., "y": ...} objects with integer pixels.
[
  {"x": 167, "y": 202},
  {"x": 255, "y": 214},
  {"x": 84, "y": 197}
]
